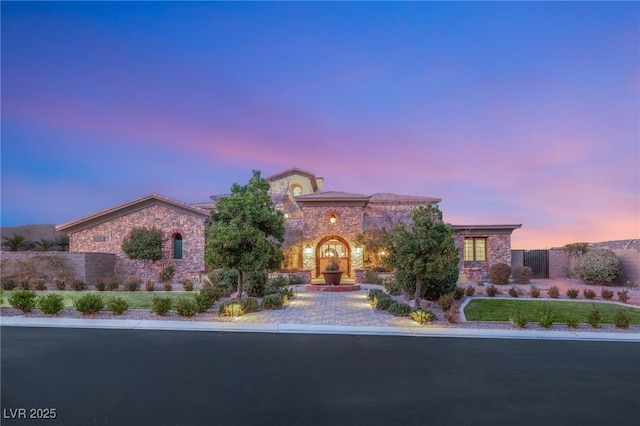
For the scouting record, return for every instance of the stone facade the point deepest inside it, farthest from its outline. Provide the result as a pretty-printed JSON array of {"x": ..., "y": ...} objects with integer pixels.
[{"x": 498, "y": 250}]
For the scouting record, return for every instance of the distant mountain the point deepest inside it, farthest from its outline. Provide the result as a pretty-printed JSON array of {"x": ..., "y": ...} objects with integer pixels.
[{"x": 32, "y": 232}]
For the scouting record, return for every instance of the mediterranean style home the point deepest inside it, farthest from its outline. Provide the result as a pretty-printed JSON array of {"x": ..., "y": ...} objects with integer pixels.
[{"x": 321, "y": 225}]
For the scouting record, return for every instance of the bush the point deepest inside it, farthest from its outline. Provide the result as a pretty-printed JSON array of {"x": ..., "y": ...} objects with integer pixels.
[
  {"x": 400, "y": 309},
  {"x": 554, "y": 292},
  {"x": 117, "y": 305},
  {"x": 459, "y": 293},
  {"x": 446, "y": 302},
  {"x": 573, "y": 293},
  {"x": 522, "y": 274},
  {"x": 167, "y": 286},
  {"x": 589, "y": 294},
  {"x": 452, "y": 316},
  {"x": 149, "y": 286},
  {"x": 78, "y": 285},
  {"x": 383, "y": 302},
  {"x": 499, "y": 273},
  {"x": 621, "y": 318},
  {"x": 231, "y": 308},
  {"x": 89, "y": 304},
  {"x": 392, "y": 286},
  {"x": 206, "y": 297},
  {"x": 39, "y": 283},
  {"x": 113, "y": 282},
  {"x": 470, "y": 290},
  {"x": 423, "y": 317},
  {"x": 60, "y": 283},
  {"x": 374, "y": 293},
  {"x": 518, "y": 319},
  {"x": 573, "y": 320},
  {"x": 546, "y": 317},
  {"x": 432, "y": 288},
  {"x": 132, "y": 283},
  {"x": 272, "y": 301},
  {"x": 594, "y": 317},
  {"x": 513, "y": 291},
  {"x": 606, "y": 294},
  {"x": 24, "y": 300},
  {"x": 599, "y": 266},
  {"x": 51, "y": 303},
  {"x": 492, "y": 290},
  {"x": 623, "y": 296},
  {"x": 535, "y": 291},
  {"x": 161, "y": 304},
  {"x": 224, "y": 280},
  {"x": 187, "y": 285},
  {"x": 8, "y": 282},
  {"x": 101, "y": 284},
  {"x": 186, "y": 306},
  {"x": 166, "y": 275},
  {"x": 250, "y": 304},
  {"x": 255, "y": 283},
  {"x": 295, "y": 279}
]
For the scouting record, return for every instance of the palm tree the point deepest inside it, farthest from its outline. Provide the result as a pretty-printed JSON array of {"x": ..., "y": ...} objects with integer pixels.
[
  {"x": 62, "y": 243},
  {"x": 15, "y": 243},
  {"x": 44, "y": 245}
]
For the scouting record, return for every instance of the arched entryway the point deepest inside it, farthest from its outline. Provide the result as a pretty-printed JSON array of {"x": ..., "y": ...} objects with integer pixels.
[{"x": 333, "y": 247}]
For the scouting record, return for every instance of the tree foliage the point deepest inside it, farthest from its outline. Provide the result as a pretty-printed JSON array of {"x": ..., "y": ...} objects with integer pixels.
[
  {"x": 143, "y": 244},
  {"x": 15, "y": 243},
  {"x": 426, "y": 249},
  {"x": 246, "y": 231}
]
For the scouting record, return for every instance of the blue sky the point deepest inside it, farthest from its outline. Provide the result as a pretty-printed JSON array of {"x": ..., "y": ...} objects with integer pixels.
[{"x": 510, "y": 112}]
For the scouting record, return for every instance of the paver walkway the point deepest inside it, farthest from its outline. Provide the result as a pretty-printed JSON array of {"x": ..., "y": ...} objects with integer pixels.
[{"x": 319, "y": 308}]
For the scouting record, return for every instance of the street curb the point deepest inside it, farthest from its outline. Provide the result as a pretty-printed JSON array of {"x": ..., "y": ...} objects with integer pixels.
[{"x": 424, "y": 331}]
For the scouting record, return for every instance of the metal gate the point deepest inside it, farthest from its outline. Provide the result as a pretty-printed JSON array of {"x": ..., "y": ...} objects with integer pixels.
[{"x": 538, "y": 261}]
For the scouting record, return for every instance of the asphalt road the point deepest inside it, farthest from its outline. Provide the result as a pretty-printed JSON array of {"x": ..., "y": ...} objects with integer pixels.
[{"x": 131, "y": 377}]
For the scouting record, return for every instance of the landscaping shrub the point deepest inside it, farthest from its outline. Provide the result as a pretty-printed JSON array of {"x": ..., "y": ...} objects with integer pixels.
[
  {"x": 250, "y": 304},
  {"x": 606, "y": 293},
  {"x": 113, "y": 282},
  {"x": 167, "y": 286},
  {"x": 518, "y": 319},
  {"x": 546, "y": 317},
  {"x": 573, "y": 320},
  {"x": 458, "y": 293},
  {"x": 422, "y": 316},
  {"x": 432, "y": 288},
  {"x": 522, "y": 274},
  {"x": 589, "y": 294},
  {"x": 149, "y": 286},
  {"x": 452, "y": 316},
  {"x": 400, "y": 309},
  {"x": 621, "y": 318},
  {"x": 78, "y": 285},
  {"x": 276, "y": 284},
  {"x": 255, "y": 283},
  {"x": 89, "y": 304},
  {"x": 573, "y": 293},
  {"x": 101, "y": 284},
  {"x": 535, "y": 291},
  {"x": 167, "y": 274},
  {"x": 24, "y": 300},
  {"x": 392, "y": 286},
  {"x": 117, "y": 305},
  {"x": 499, "y": 273},
  {"x": 60, "y": 283},
  {"x": 8, "y": 282},
  {"x": 232, "y": 308},
  {"x": 225, "y": 280},
  {"x": 594, "y": 317},
  {"x": 295, "y": 279},
  {"x": 513, "y": 291},
  {"x": 374, "y": 293},
  {"x": 132, "y": 283},
  {"x": 51, "y": 303},
  {"x": 372, "y": 277},
  {"x": 187, "y": 285},
  {"x": 598, "y": 266},
  {"x": 470, "y": 290},
  {"x": 161, "y": 304},
  {"x": 383, "y": 302},
  {"x": 623, "y": 296},
  {"x": 446, "y": 302},
  {"x": 272, "y": 301},
  {"x": 39, "y": 283},
  {"x": 206, "y": 297},
  {"x": 554, "y": 292},
  {"x": 186, "y": 307},
  {"x": 492, "y": 290}
]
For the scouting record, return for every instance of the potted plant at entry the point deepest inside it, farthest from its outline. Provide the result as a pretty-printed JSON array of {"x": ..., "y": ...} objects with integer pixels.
[{"x": 332, "y": 273}]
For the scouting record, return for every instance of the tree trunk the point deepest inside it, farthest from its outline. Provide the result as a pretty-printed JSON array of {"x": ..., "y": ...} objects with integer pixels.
[
  {"x": 418, "y": 291},
  {"x": 239, "y": 289}
]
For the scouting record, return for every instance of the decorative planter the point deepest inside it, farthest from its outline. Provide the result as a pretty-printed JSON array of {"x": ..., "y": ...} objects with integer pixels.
[{"x": 332, "y": 277}]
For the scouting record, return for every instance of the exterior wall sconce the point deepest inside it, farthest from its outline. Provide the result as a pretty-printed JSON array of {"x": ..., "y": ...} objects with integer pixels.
[
  {"x": 308, "y": 250},
  {"x": 358, "y": 250},
  {"x": 333, "y": 218}
]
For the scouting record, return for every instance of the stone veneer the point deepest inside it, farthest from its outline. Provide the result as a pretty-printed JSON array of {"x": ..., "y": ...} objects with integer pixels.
[
  {"x": 107, "y": 237},
  {"x": 498, "y": 251}
]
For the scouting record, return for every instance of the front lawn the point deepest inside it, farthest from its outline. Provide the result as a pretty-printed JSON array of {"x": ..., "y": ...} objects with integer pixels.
[
  {"x": 135, "y": 299},
  {"x": 501, "y": 310}
]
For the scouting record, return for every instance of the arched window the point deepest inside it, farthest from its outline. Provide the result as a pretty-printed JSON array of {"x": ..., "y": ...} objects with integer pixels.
[
  {"x": 177, "y": 246},
  {"x": 296, "y": 190}
]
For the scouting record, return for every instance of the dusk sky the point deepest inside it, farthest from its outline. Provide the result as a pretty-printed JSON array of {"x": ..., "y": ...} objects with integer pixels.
[{"x": 510, "y": 112}]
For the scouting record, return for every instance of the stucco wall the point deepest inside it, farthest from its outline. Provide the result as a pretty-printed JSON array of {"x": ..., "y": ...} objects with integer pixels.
[{"x": 107, "y": 237}]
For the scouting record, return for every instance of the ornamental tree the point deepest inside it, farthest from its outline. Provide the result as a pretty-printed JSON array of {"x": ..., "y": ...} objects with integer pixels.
[
  {"x": 425, "y": 248},
  {"x": 246, "y": 231},
  {"x": 143, "y": 244}
]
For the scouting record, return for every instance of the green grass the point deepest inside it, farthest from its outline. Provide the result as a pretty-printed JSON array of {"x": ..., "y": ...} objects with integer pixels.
[
  {"x": 135, "y": 299},
  {"x": 500, "y": 310}
]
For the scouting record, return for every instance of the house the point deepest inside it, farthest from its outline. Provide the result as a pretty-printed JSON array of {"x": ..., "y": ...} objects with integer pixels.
[{"x": 320, "y": 226}]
